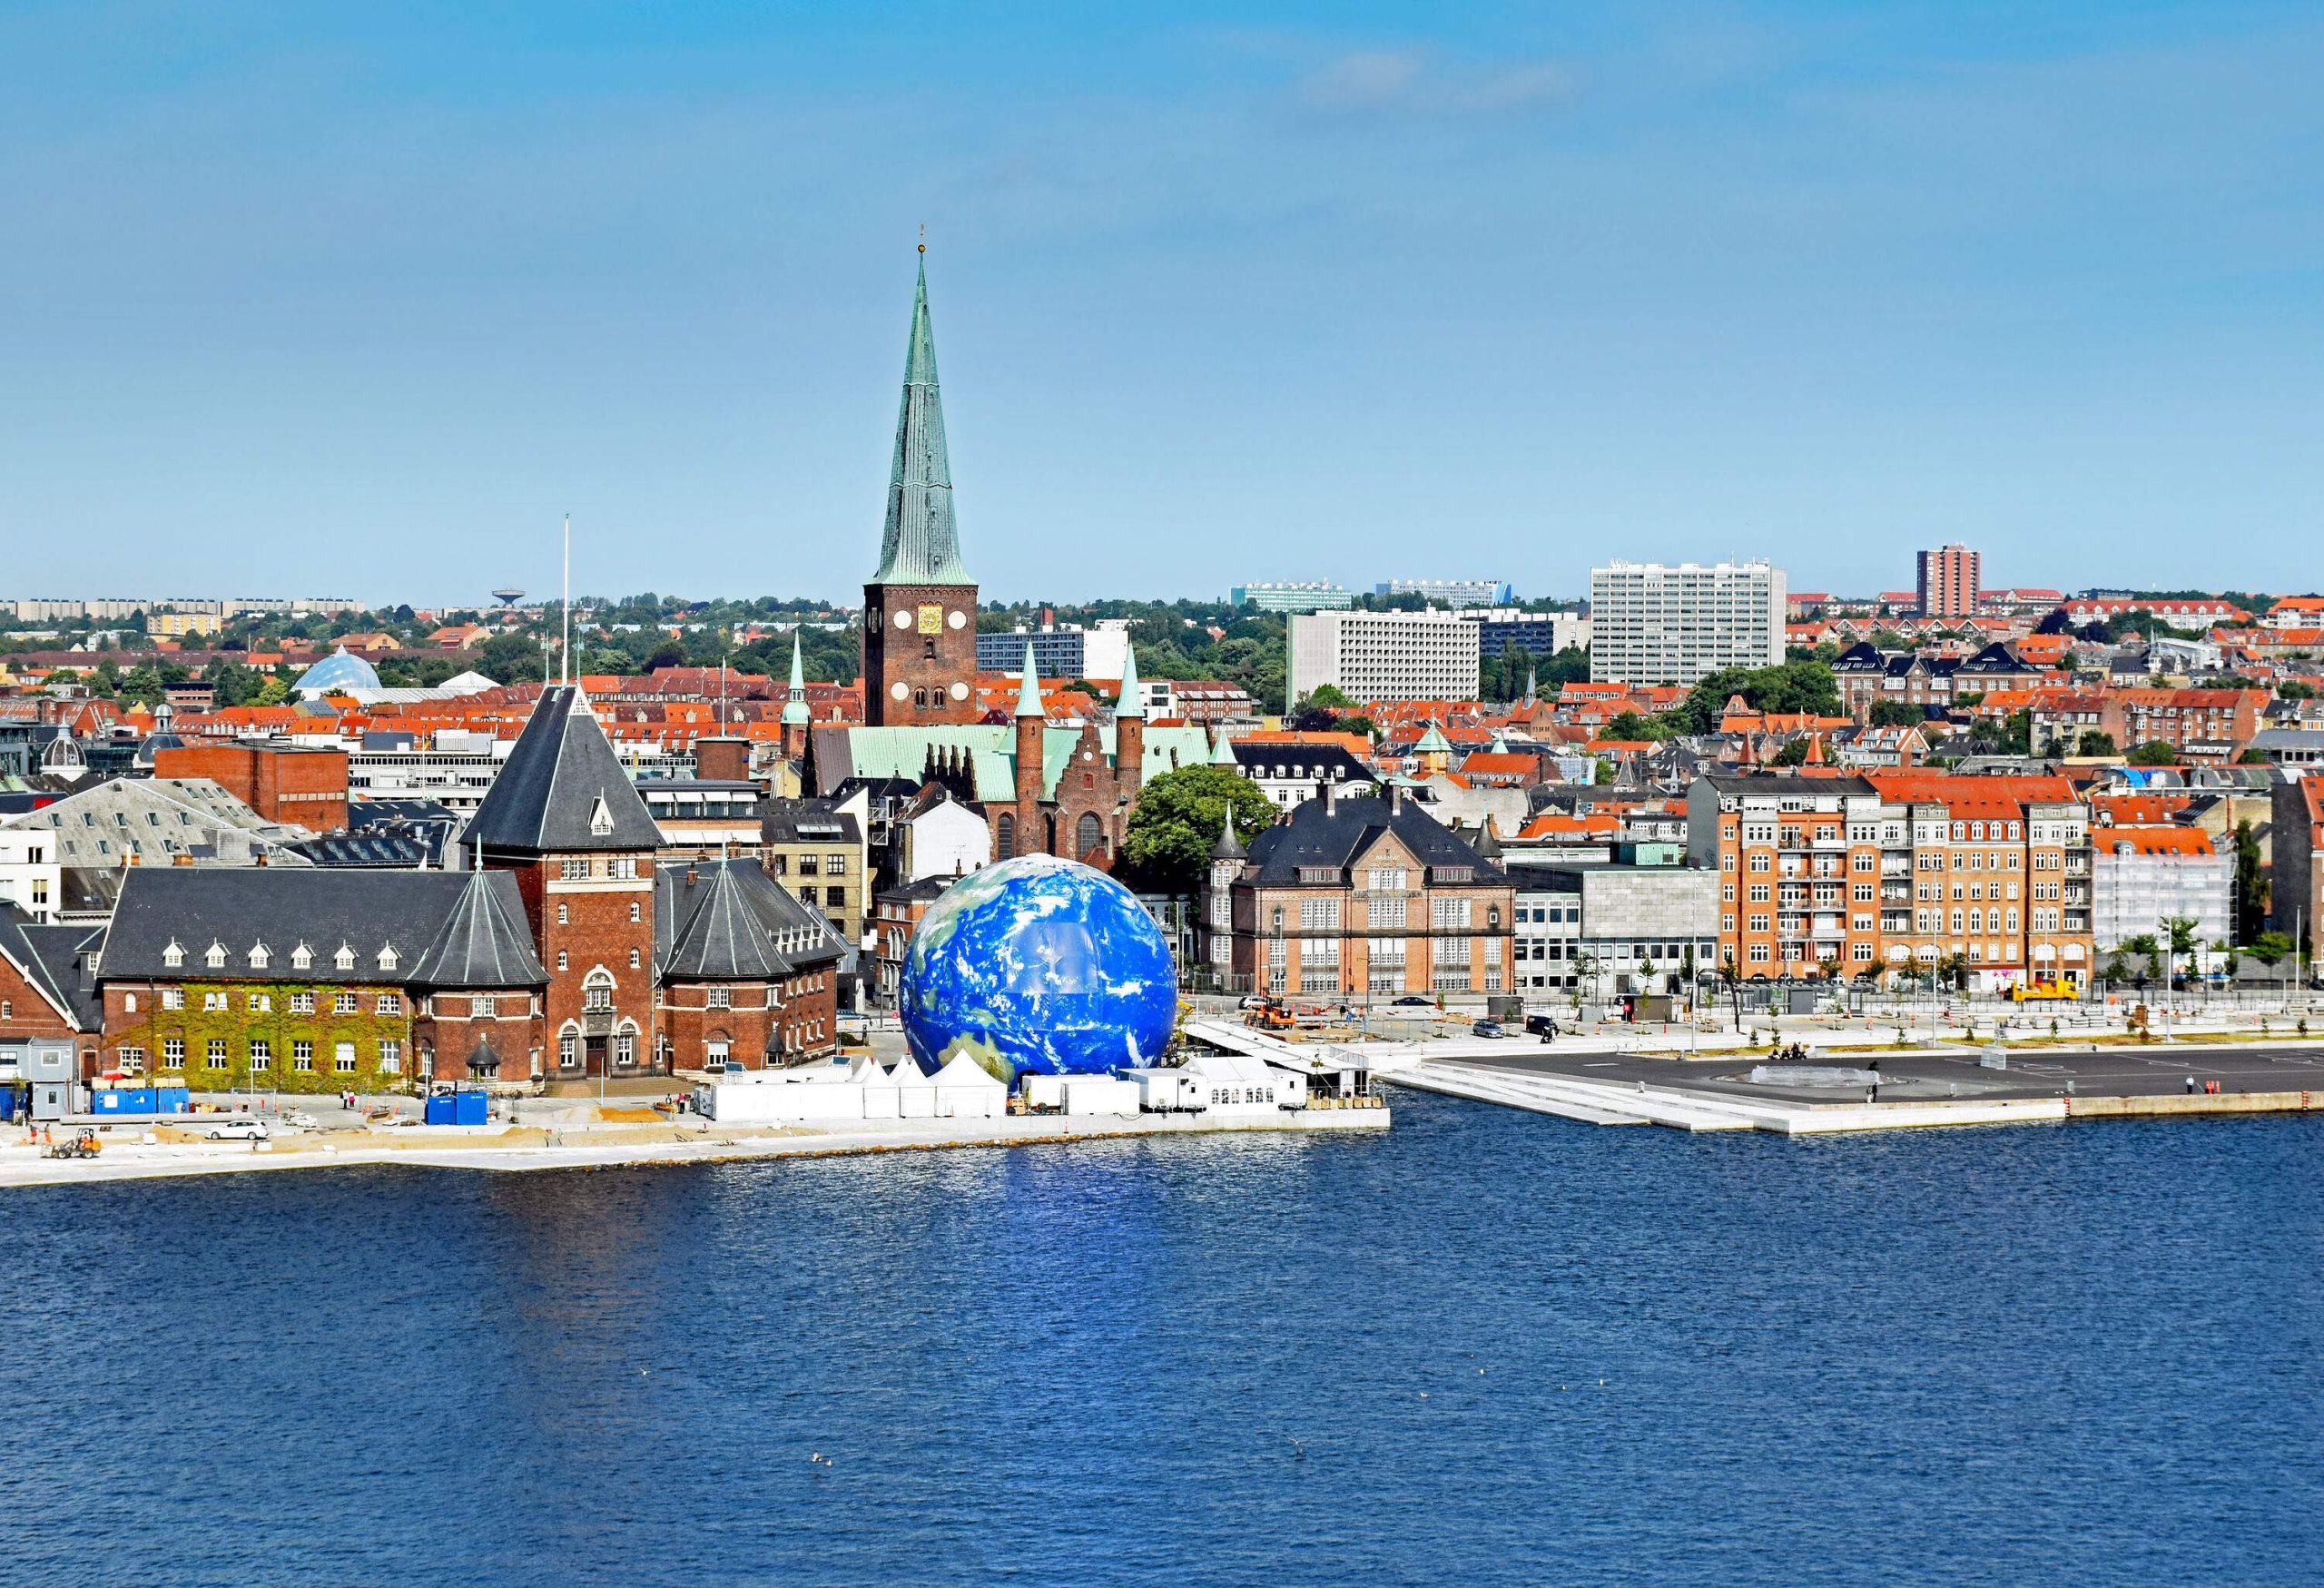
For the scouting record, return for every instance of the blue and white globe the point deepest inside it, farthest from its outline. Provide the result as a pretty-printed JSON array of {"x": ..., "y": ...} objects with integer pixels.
[{"x": 1040, "y": 965}]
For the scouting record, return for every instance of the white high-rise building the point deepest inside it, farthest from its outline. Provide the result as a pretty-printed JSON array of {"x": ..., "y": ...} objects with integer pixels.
[
  {"x": 1384, "y": 656},
  {"x": 1652, "y": 623}
]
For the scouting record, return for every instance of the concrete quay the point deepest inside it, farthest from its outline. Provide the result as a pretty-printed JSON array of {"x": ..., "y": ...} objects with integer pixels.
[
  {"x": 1918, "y": 1089},
  {"x": 517, "y": 1149}
]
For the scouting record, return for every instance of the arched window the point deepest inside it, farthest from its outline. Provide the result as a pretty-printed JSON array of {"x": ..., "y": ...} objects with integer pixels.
[
  {"x": 920, "y": 698},
  {"x": 1007, "y": 828},
  {"x": 598, "y": 991},
  {"x": 1092, "y": 835}
]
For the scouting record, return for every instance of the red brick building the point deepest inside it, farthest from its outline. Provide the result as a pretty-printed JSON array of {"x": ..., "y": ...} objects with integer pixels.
[
  {"x": 563, "y": 817},
  {"x": 749, "y": 975},
  {"x": 283, "y": 782}
]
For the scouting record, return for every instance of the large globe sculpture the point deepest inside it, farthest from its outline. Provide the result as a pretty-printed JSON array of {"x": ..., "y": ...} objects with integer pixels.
[{"x": 1038, "y": 965}]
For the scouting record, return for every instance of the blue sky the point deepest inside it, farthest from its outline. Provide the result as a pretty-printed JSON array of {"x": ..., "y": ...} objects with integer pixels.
[{"x": 308, "y": 298}]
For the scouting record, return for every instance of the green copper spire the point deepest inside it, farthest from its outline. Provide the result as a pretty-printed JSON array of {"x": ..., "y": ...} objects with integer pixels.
[
  {"x": 919, "y": 545},
  {"x": 1029, "y": 689},
  {"x": 1222, "y": 750},
  {"x": 1131, "y": 703},
  {"x": 794, "y": 704}
]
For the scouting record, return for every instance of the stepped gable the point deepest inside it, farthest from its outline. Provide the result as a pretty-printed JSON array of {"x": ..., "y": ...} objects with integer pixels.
[{"x": 562, "y": 788}]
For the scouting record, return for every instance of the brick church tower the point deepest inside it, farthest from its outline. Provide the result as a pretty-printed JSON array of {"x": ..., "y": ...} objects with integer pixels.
[
  {"x": 563, "y": 816},
  {"x": 920, "y": 610}
]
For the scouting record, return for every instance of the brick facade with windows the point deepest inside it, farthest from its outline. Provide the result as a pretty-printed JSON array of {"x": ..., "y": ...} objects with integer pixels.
[{"x": 1355, "y": 898}]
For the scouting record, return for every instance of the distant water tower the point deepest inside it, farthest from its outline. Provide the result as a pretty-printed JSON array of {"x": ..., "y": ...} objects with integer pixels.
[{"x": 507, "y": 598}]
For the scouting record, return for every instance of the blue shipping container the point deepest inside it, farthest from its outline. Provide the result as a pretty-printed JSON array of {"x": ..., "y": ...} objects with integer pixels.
[
  {"x": 463, "y": 1108},
  {"x": 142, "y": 1100}
]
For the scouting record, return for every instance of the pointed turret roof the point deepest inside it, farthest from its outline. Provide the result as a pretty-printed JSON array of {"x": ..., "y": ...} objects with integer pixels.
[
  {"x": 919, "y": 545},
  {"x": 1028, "y": 687},
  {"x": 1227, "y": 847},
  {"x": 794, "y": 704},
  {"x": 1221, "y": 749},
  {"x": 562, "y": 787},
  {"x": 1434, "y": 742},
  {"x": 484, "y": 943},
  {"x": 1132, "y": 702}
]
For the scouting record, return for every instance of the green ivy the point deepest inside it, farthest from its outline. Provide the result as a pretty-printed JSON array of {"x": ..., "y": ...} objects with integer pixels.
[{"x": 237, "y": 1023}]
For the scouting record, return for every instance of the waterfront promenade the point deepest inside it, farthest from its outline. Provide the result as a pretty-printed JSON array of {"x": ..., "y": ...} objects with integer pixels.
[{"x": 587, "y": 1141}]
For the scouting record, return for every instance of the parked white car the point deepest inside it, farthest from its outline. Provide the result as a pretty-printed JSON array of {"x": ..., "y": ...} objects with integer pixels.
[{"x": 239, "y": 1131}]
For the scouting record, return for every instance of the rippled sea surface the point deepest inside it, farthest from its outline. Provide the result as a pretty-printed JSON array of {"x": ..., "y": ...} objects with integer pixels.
[{"x": 1482, "y": 1349}]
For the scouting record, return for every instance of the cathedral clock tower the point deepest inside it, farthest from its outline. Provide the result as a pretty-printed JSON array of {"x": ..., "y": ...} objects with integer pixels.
[{"x": 919, "y": 610}]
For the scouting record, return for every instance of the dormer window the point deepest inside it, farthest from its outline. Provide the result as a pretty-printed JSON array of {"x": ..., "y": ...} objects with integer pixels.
[
  {"x": 174, "y": 956},
  {"x": 301, "y": 957},
  {"x": 389, "y": 959},
  {"x": 215, "y": 955},
  {"x": 260, "y": 956},
  {"x": 345, "y": 959},
  {"x": 601, "y": 818}
]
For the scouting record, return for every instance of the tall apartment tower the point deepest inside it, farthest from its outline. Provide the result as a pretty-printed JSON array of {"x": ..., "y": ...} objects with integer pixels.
[
  {"x": 1948, "y": 582},
  {"x": 1652, "y": 623},
  {"x": 563, "y": 816},
  {"x": 920, "y": 610}
]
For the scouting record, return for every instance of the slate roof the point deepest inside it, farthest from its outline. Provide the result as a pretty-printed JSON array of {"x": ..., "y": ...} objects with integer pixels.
[
  {"x": 562, "y": 788},
  {"x": 728, "y": 921},
  {"x": 434, "y": 922},
  {"x": 48, "y": 958},
  {"x": 1327, "y": 762},
  {"x": 485, "y": 942},
  {"x": 1337, "y": 835},
  {"x": 385, "y": 851},
  {"x": 787, "y": 821}
]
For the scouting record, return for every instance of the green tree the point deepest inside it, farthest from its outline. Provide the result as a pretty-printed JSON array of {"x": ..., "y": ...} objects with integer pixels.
[
  {"x": 1167, "y": 844},
  {"x": 509, "y": 658},
  {"x": 1793, "y": 754},
  {"x": 2270, "y": 948},
  {"x": 272, "y": 691},
  {"x": 1895, "y": 713},
  {"x": 2253, "y": 888},
  {"x": 2154, "y": 753},
  {"x": 230, "y": 681},
  {"x": 2095, "y": 742},
  {"x": 2184, "y": 941}
]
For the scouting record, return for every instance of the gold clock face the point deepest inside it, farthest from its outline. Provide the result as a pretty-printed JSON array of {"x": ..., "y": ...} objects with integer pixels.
[{"x": 931, "y": 617}]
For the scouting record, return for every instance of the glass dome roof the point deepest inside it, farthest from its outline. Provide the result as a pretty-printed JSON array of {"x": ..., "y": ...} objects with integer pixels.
[{"x": 338, "y": 670}]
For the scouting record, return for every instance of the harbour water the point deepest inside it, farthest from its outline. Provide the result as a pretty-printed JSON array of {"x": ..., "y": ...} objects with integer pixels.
[{"x": 1479, "y": 1348}]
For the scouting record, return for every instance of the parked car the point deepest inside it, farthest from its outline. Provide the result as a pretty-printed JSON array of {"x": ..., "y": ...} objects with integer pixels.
[
  {"x": 1487, "y": 1028},
  {"x": 1541, "y": 1026},
  {"x": 300, "y": 1119},
  {"x": 239, "y": 1131},
  {"x": 1413, "y": 1001}
]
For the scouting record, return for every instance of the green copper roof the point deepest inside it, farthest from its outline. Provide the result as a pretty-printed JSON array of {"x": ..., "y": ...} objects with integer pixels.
[
  {"x": 794, "y": 703},
  {"x": 901, "y": 752},
  {"x": 1132, "y": 702},
  {"x": 1222, "y": 750},
  {"x": 1434, "y": 742},
  {"x": 1028, "y": 687},
  {"x": 919, "y": 545}
]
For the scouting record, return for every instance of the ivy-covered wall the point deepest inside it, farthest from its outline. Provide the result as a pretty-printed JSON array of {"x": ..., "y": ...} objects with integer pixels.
[{"x": 152, "y": 1026}]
